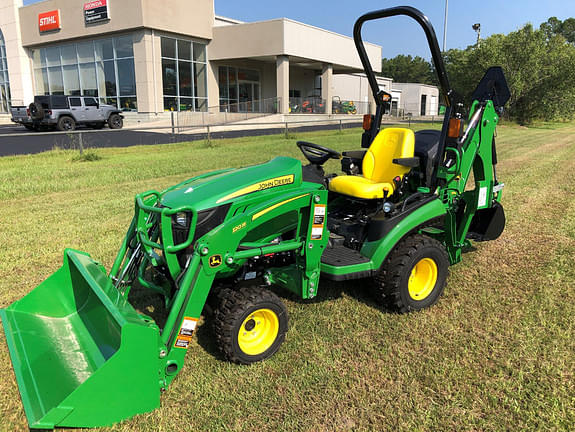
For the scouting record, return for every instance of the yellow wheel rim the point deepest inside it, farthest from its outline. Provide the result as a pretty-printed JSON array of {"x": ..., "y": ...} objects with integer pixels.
[
  {"x": 422, "y": 279},
  {"x": 258, "y": 331}
]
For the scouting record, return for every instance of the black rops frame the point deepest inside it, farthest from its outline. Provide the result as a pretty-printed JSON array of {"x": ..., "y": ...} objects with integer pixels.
[{"x": 447, "y": 91}]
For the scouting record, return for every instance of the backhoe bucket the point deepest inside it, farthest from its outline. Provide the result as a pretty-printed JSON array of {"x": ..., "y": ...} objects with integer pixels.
[{"x": 82, "y": 355}]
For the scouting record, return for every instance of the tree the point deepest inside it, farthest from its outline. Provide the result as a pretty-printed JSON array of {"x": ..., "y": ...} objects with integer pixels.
[
  {"x": 554, "y": 26},
  {"x": 539, "y": 66},
  {"x": 405, "y": 68},
  {"x": 568, "y": 29}
]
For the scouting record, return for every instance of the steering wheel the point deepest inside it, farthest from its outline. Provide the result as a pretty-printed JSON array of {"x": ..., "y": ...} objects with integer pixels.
[{"x": 316, "y": 154}]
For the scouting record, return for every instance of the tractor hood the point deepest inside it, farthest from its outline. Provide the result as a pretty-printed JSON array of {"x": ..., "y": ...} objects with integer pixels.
[{"x": 221, "y": 187}]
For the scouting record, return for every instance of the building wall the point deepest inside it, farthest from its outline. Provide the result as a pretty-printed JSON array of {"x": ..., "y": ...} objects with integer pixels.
[
  {"x": 411, "y": 97},
  {"x": 355, "y": 87},
  {"x": 307, "y": 41},
  {"x": 303, "y": 80},
  {"x": 148, "y": 20},
  {"x": 177, "y": 17},
  {"x": 286, "y": 37},
  {"x": 19, "y": 67}
]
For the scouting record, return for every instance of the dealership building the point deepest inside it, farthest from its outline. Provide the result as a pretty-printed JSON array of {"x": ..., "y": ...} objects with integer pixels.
[{"x": 150, "y": 57}]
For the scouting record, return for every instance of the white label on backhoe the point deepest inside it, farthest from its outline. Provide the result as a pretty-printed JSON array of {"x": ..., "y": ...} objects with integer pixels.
[{"x": 482, "y": 197}]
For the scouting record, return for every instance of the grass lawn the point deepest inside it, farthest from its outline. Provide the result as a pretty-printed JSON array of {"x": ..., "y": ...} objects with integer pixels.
[{"x": 496, "y": 353}]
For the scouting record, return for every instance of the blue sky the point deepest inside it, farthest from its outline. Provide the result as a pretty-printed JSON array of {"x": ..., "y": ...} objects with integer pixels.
[{"x": 401, "y": 35}]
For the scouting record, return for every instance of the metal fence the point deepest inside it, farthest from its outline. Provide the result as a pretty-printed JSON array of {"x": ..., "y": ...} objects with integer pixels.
[{"x": 227, "y": 113}]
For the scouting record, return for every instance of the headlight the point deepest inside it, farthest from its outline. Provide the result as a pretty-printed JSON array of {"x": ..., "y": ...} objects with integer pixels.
[{"x": 182, "y": 219}]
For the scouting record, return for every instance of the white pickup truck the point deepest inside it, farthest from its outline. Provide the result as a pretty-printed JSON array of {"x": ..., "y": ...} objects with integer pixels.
[{"x": 66, "y": 112}]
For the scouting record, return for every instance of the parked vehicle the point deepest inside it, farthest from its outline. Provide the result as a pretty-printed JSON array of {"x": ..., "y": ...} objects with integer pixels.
[
  {"x": 343, "y": 107},
  {"x": 66, "y": 112},
  {"x": 313, "y": 105}
]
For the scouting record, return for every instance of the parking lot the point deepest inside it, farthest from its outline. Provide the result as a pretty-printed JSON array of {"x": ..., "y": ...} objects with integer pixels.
[{"x": 16, "y": 140}]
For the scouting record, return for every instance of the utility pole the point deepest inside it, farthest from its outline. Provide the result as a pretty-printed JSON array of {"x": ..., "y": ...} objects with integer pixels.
[
  {"x": 477, "y": 28},
  {"x": 445, "y": 25}
]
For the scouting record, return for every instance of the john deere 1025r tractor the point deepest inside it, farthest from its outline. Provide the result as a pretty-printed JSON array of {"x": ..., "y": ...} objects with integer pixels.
[{"x": 84, "y": 356}]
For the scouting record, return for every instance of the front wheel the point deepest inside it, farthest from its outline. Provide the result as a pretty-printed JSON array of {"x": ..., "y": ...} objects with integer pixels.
[
  {"x": 115, "y": 121},
  {"x": 413, "y": 276},
  {"x": 250, "y": 324}
]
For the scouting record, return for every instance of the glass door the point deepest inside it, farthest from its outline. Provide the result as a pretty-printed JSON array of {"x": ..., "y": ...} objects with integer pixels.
[
  {"x": 249, "y": 93},
  {"x": 246, "y": 96}
]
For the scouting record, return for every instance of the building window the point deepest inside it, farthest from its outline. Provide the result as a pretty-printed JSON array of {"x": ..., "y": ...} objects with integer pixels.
[
  {"x": 239, "y": 89},
  {"x": 102, "y": 68},
  {"x": 184, "y": 75},
  {"x": 4, "y": 80}
]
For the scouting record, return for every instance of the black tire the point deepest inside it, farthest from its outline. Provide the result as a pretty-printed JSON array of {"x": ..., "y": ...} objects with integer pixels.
[
  {"x": 36, "y": 111},
  {"x": 394, "y": 285},
  {"x": 115, "y": 121},
  {"x": 66, "y": 124},
  {"x": 253, "y": 310}
]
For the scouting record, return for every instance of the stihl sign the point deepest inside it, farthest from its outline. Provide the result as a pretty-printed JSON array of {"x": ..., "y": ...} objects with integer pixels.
[
  {"x": 49, "y": 21},
  {"x": 96, "y": 11}
]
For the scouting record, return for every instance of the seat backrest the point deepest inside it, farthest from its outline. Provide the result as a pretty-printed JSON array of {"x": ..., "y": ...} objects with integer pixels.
[{"x": 389, "y": 144}]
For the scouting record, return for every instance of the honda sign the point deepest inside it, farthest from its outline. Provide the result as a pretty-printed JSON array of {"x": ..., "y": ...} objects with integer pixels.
[{"x": 96, "y": 11}]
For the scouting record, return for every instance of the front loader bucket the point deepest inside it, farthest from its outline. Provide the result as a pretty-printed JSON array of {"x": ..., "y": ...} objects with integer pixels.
[{"x": 82, "y": 356}]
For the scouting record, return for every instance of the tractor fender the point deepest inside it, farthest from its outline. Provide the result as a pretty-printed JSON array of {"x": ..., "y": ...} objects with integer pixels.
[{"x": 377, "y": 250}]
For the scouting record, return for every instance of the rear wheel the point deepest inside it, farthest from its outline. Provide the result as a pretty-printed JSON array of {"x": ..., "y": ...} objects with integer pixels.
[
  {"x": 66, "y": 123},
  {"x": 115, "y": 121},
  {"x": 413, "y": 276},
  {"x": 250, "y": 324}
]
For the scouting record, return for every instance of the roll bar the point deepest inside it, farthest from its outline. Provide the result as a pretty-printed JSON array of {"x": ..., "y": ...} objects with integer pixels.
[
  {"x": 424, "y": 22},
  {"x": 448, "y": 93}
]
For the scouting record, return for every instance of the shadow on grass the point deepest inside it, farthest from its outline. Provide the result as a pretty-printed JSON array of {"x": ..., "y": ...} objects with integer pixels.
[
  {"x": 152, "y": 304},
  {"x": 329, "y": 290}
]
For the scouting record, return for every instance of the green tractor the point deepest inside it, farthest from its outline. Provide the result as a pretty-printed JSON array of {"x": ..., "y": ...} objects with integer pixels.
[
  {"x": 343, "y": 107},
  {"x": 84, "y": 356}
]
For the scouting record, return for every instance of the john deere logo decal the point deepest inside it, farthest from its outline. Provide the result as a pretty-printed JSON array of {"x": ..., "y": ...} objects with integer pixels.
[
  {"x": 266, "y": 184},
  {"x": 215, "y": 261}
]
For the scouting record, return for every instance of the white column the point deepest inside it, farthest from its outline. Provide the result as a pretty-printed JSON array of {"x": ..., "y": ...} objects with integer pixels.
[
  {"x": 282, "y": 83},
  {"x": 147, "y": 72},
  {"x": 19, "y": 63},
  {"x": 327, "y": 86}
]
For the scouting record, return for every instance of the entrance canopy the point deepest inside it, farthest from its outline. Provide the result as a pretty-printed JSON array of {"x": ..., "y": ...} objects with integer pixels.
[
  {"x": 304, "y": 44},
  {"x": 288, "y": 44}
]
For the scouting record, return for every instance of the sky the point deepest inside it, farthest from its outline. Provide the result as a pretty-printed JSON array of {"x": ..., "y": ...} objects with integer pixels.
[{"x": 401, "y": 35}]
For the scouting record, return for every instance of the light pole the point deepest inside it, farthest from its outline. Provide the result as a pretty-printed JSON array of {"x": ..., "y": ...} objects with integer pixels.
[
  {"x": 477, "y": 28},
  {"x": 445, "y": 25}
]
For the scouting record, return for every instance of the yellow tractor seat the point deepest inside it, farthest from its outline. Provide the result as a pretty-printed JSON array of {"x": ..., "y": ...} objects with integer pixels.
[{"x": 379, "y": 168}]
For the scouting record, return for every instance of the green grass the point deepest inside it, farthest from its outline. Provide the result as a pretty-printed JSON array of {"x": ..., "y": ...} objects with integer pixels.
[{"x": 496, "y": 353}]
